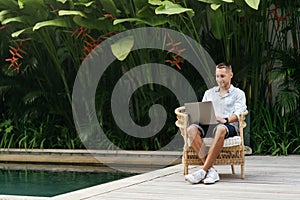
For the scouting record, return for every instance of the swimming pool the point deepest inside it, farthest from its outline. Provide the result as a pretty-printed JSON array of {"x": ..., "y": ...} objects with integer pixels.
[{"x": 52, "y": 183}]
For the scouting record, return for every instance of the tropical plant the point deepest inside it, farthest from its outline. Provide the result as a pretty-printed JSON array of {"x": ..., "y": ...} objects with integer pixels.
[
  {"x": 43, "y": 50},
  {"x": 36, "y": 80},
  {"x": 273, "y": 133},
  {"x": 265, "y": 43},
  {"x": 6, "y": 134}
]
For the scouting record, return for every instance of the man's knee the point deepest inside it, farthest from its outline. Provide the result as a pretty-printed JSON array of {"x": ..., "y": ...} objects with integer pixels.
[
  {"x": 192, "y": 131},
  {"x": 221, "y": 131}
]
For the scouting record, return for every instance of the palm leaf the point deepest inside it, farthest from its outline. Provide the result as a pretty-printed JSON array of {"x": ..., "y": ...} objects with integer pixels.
[
  {"x": 287, "y": 98},
  {"x": 4, "y": 88},
  {"x": 31, "y": 97}
]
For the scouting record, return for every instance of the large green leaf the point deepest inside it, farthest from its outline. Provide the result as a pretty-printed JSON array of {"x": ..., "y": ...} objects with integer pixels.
[
  {"x": 217, "y": 3},
  {"x": 145, "y": 12},
  {"x": 35, "y": 8},
  {"x": 215, "y": 6},
  {"x": 217, "y": 23},
  {"x": 253, "y": 3},
  {"x": 25, "y": 19},
  {"x": 88, "y": 4},
  {"x": 153, "y": 21},
  {"x": 88, "y": 22},
  {"x": 71, "y": 12},
  {"x": 140, "y": 3},
  {"x": 31, "y": 3},
  {"x": 211, "y": 1},
  {"x": 62, "y": 1},
  {"x": 2, "y": 14},
  {"x": 13, "y": 19},
  {"x": 59, "y": 22},
  {"x": 110, "y": 7},
  {"x": 25, "y": 30},
  {"x": 122, "y": 47},
  {"x": 8, "y": 4},
  {"x": 98, "y": 24},
  {"x": 155, "y": 2},
  {"x": 169, "y": 8}
]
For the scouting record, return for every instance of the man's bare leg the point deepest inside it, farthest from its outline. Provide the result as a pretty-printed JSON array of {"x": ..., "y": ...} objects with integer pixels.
[
  {"x": 197, "y": 142},
  {"x": 214, "y": 151},
  {"x": 199, "y": 147},
  {"x": 215, "y": 148}
]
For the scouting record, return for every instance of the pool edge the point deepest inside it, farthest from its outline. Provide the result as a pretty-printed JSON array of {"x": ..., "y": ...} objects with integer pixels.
[{"x": 118, "y": 184}]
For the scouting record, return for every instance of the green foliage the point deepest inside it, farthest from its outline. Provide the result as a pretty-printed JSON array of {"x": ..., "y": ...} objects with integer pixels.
[
  {"x": 6, "y": 135},
  {"x": 259, "y": 38},
  {"x": 274, "y": 134},
  {"x": 122, "y": 48},
  {"x": 215, "y": 4}
]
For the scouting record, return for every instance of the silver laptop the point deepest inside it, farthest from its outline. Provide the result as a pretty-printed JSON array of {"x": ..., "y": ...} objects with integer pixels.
[{"x": 201, "y": 112}]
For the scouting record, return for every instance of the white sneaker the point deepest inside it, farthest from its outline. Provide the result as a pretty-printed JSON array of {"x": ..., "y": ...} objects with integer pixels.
[
  {"x": 196, "y": 177},
  {"x": 212, "y": 176}
]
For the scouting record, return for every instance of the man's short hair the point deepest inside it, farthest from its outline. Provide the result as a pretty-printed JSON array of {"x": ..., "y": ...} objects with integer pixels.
[{"x": 222, "y": 65}]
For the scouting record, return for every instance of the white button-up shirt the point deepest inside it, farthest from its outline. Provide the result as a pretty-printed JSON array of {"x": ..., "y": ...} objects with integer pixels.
[{"x": 233, "y": 102}]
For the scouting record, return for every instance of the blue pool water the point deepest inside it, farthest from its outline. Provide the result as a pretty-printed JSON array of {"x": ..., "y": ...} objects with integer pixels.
[{"x": 50, "y": 183}]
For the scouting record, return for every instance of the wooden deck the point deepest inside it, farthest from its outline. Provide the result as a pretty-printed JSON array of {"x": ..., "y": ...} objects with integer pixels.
[{"x": 267, "y": 177}]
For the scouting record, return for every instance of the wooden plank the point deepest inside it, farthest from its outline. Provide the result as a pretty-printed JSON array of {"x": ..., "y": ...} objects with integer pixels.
[{"x": 266, "y": 178}]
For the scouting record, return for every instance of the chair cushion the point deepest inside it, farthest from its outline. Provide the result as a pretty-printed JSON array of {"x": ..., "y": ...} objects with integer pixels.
[{"x": 229, "y": 142}]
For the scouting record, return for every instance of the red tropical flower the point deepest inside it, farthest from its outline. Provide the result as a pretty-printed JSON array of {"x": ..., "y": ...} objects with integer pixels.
[
  {"x": 278, "y": 18},
  {"x": 90, "y": 43},
  {"x": 176, "y": 59},
  {"x": 16, "y": 55}
]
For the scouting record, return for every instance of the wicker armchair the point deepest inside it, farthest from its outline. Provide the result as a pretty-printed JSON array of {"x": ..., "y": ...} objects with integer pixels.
[{"x": 231, "y": 154}]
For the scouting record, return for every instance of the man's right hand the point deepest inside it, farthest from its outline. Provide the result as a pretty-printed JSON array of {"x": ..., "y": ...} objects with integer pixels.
[{"x": 221, "y": 120}]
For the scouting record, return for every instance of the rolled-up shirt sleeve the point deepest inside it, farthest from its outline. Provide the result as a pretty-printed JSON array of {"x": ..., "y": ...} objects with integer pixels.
[{"x": 240, "y": 103}]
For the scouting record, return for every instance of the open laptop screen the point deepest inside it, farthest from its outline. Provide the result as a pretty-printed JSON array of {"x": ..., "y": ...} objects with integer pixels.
[{"x": 201, "y": 112}]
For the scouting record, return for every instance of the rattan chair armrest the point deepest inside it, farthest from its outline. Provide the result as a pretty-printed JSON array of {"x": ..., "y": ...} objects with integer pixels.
[
  {"x": 182, "y": 123},
  {"x": 242, "y": 124}
]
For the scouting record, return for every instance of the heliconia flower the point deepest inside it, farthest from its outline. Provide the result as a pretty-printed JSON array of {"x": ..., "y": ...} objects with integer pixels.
[
  {"x": 174, "y": 63},
  {"x": 174, "y": 49},
  {"x": 180, "y": 51},
  {"x": 16, "y": 54},
  {"x": 278, "y": 18},
  {"x": 90, "y": 43},
  {"x": 80, "y": 32},
  {"x": 12, "y": 59}
]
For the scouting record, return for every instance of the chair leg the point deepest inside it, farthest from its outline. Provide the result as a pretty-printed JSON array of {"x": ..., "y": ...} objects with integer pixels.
[
  {"x": 186, "y": 169},
  {"x": 242, "y": 171},
  {"x": 232, "y": 169}
]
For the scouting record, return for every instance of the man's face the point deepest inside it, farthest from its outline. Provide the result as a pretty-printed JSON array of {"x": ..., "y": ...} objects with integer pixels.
[{"x": 223, "y": 77}]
